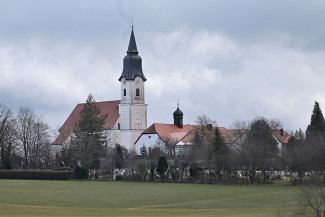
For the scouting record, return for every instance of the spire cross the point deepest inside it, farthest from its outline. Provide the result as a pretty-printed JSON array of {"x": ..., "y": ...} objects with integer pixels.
[
  {"x": 132, "y": 23},
  {"x": 178, "y": 103}
]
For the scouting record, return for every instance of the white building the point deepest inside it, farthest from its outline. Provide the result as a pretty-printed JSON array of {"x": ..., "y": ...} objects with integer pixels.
[
  {"x": 178, "y": 134},
  {"x": 181, "y": 136}
]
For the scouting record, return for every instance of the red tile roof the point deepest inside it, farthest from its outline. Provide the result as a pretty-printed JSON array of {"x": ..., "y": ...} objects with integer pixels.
[
  {"x": 230, "y": 136},
  {"x": 186, "y": 133},
  {"x": 283, "y": 138},
  {"x": 109, "y": 109}
]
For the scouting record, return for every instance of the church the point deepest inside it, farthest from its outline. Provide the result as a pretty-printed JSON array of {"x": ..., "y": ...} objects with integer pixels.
[{"x": 125, "y": 119}]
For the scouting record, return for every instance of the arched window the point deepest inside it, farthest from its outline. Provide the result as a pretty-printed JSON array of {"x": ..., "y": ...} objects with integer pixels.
[
  {"x": 124, "y": 92},
  {"x": 137, "y": 92}
]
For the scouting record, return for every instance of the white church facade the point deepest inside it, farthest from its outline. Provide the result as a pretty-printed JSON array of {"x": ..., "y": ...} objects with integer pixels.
[{"x": 125, "y": 119}]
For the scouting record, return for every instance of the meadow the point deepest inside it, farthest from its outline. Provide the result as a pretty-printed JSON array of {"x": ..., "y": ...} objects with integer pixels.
[{"x": 91, "y": 198}]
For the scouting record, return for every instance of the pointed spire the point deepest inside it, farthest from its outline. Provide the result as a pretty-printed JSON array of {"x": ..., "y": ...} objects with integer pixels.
[
  {"x": 132, "y": 63},
  {"x": 132, "y": 44}
]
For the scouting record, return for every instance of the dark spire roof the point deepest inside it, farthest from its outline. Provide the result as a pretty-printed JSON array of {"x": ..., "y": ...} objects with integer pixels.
[
  {"x": 132, "y": 44},
  {"x": 132, "y": 63}
]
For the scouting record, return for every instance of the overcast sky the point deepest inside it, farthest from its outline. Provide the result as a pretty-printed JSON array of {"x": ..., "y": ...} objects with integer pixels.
[{"x": 229, "y": 59}]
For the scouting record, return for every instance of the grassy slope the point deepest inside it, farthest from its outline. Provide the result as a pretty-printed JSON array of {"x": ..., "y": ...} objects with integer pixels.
[{"x": 83, "y": 198}]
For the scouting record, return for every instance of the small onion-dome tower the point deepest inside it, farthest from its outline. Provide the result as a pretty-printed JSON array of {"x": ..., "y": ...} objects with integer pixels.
[{"x": 178, "y": 117}]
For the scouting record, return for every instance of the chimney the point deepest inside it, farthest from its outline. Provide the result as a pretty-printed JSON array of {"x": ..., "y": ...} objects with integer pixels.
[
  {"x": 281, "y": 132},
  {"x": 209, "y": 126}
]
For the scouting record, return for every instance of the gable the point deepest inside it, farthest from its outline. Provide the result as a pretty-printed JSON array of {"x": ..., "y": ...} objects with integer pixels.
[{"x": 109, "y": 109}]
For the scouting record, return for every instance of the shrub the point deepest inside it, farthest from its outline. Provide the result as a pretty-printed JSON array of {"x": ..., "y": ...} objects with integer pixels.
[
  {"x": 35, "y": 174},
  {"x": 80, "y": 172},
  {"x": 162, "y": 167},
  {"x": 175, "y": 175}
]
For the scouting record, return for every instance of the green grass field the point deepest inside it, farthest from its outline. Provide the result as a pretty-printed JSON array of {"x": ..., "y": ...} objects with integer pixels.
[{"x": 89, "y": 198}]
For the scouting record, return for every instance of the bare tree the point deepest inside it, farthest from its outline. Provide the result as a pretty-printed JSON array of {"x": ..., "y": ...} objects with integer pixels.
[
  {"x": 260, "y": 149},
  {"x": 275, "y": 124},
  {"x": 33, "y": 139},
  {"x": 312, "y": 200},
  {"x": 236, "y": 150},
  {"x": 7, "y": 136},
  {"x": 153, "y": 156},
  {"x": 142, "y": 168},
  {"x": 239, "y": 125},
  {"x": 296, "y": 154},
  {"x": 204, "y": 120},
  {"x": 168, "y": 145},
  {"x": 200, "y": 153}
]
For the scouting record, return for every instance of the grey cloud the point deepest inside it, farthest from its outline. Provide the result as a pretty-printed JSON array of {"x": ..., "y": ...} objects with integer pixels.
[{"x": 232, "y": 60}]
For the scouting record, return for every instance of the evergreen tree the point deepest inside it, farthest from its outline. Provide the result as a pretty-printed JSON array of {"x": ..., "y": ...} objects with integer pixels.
[
  {"x": 119, "y": 159},
  {"x": 315, "y": 137},
  {"x": 88, "y": 140},
  {"x": 317, "y": 122},
  {"x": 219, "y": 150},
  {"x": 143, "y": 151},
  {"x": 162, "y": 167}
]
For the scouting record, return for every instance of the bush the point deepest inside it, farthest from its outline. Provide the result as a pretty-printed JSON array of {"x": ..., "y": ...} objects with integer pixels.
[
  {"x": 162, "y": 167},
  {"x": 35, "y": 174},
  {"x": 80, "y": 172}
]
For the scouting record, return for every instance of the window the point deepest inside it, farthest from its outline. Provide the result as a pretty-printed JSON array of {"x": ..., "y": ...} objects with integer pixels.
[
  {"x": 124, "y": 92},
  {"x": 118, "y": 126},
  {"x": 149, "y": 137},
  {"x": 138, "y": 116},
  {"x": 137, "y": 92}
]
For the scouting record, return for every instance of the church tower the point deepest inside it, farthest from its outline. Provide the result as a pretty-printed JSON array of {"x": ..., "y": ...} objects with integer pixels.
[
  {"x": 132, "y": 109},
  {"x": 178, "y": 117}
]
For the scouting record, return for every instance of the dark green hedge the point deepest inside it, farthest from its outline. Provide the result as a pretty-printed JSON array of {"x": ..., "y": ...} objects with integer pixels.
[
  {"x": 80, "y": 172},
  {"x": 35, "y": 174}
]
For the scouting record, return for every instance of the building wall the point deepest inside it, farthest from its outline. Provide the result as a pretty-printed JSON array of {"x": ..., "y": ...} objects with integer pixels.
[
  {"x": 130, "y": 86},
  {"x": 133, "y": 112},
  {"x": 148, "y": 140}
]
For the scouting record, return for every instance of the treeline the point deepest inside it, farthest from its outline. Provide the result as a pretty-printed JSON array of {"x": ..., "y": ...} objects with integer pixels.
[
  {"x": 24, "y": 140},
  {"x": 255, "y": 154}
]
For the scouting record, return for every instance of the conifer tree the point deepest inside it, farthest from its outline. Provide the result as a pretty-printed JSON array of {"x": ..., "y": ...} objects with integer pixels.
[
  {"x": 89, "y": 139},
  {"x": 317, "y": 122},
  {"x": 219, "y": 149},
  {"x": 315, "y": 137},
  {"x": 162, "y": 166},
  {"x": 119, "y": 159},
  {"x": 143, "y": 151}
]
